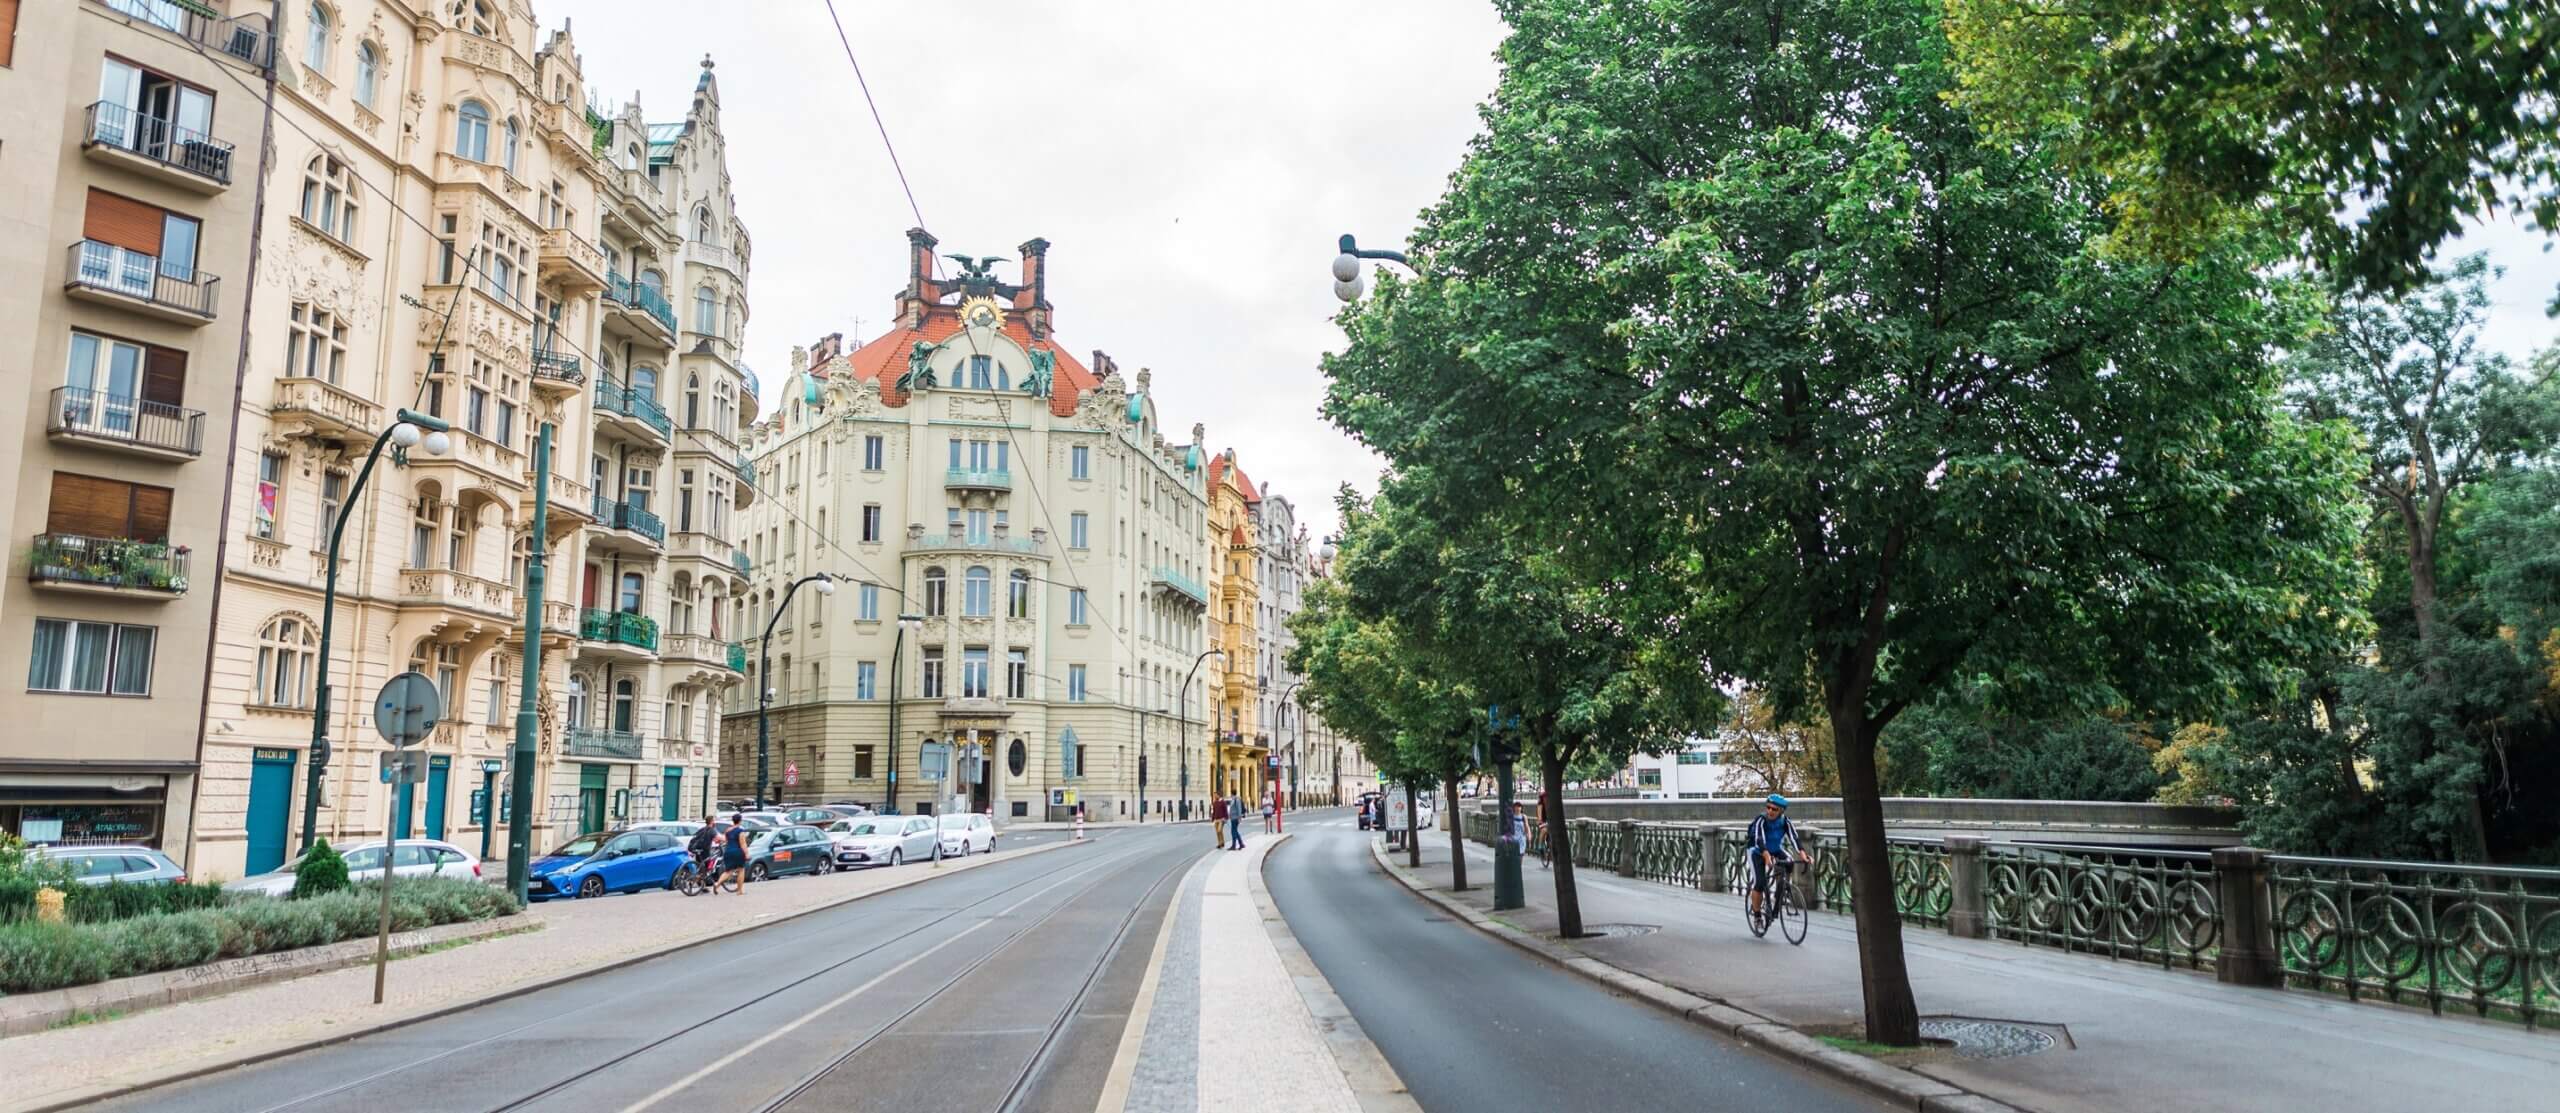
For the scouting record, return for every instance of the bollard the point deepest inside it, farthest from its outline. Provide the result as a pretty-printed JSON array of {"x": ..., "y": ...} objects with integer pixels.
[
  {"x": 1968, "y": 888},
  {"x": 1627, "y": 847},
  {"x": 2248, "y": 955},
  {"x": 1711, "y": 859},
  {"x": 1079, "y": 824}
]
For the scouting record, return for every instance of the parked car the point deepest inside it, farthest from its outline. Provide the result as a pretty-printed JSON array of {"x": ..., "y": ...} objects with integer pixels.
[
  {"x": 812, "y": 815},
  {"x": 755, "y": 821},
  {"x": 131, "y": 865},
  {"x": 885, "y": 840},
  {"x": 620, "y": 862},
  {"x": 680, "y": 829},
  {"x": 798, "y": 848},
  {"x": 967, "y": 833},
  {"x": 1369, "y": 807},
  {"x": 414, "y": 858}
]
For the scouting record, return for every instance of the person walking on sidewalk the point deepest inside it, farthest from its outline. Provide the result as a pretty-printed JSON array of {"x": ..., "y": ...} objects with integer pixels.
[
  {"x": 1266, "y": 817},
  {"x": 1235, "y": 822},
  {"x": 733, "y": 853},
  {"x": 1544, "y": 860},
  {"x": 1218, "y": 822}
]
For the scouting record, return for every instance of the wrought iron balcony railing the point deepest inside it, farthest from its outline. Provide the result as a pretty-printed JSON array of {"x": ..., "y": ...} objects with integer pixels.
[
  {"x": 619, "y": 628},
  {"x": 558, "y": 367},
  {"x": 621, "y": 745},
  {"x": 110, "y": 563},
  {"x": 160, "y": 140},
  {"x": 121, "y": 419},
  {"x": 119, "y": 270}
]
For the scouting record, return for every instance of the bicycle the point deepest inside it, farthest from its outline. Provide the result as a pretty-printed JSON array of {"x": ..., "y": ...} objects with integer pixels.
[
  {"x": 704, "y": 876},
  {"x": 1779, "y": 905}
]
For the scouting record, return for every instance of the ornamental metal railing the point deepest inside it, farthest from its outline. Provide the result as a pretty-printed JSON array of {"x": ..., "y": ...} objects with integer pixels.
[
  {"x": 558, "y": 367},
  {"x": 2158, "y": 906},
  {"x": 622, "y": 745},
  {"x": 641, "y": 296},
  {"x": 108, "y": 562},
  {"x": 2481, "y": 938},
  {"x": 160, "y": 140},
  {"x": 613, "y": 397},
  {"x": 245, "y": 37},
  {"x": 120, "y": 270},
  {"x": 106, "y": 416},
  {"x": 619, "y": 628}
]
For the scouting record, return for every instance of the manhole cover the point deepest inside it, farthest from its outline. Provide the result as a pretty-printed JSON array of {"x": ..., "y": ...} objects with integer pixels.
[
  {"x": 1988, "y": 1039},
  {"x": 1619, "y": 929}
]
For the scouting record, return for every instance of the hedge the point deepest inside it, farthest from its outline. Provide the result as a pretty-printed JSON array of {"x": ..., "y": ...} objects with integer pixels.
[{"x": 40, "y": 956}]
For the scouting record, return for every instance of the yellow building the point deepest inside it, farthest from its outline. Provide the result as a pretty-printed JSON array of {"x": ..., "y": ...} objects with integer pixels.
[{"x": 1239, "y": 741}]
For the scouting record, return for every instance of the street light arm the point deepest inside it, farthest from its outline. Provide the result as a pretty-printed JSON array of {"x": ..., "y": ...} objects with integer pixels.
[
  {"x": 1351, "y": 247},
  {"x": 764, "y": 684}
]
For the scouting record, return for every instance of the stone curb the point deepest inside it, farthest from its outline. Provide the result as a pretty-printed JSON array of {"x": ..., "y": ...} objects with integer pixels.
[
  {"x": 1906, "y": 1089},
  {"x": 29, "y": 1013},
  {"x": 1373, "y": 1080},
  {"x": 93, "y": 1095}
]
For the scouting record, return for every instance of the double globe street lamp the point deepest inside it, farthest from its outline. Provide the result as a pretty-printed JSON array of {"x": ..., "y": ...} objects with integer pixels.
[{"x": 1348, "y": 280}]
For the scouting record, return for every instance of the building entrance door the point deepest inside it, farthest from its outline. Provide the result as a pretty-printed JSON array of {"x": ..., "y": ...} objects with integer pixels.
[{"x": 270, "y": 808}]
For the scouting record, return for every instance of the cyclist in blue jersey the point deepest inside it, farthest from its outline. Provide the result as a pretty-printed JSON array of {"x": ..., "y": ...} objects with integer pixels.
[{"x": 1773, "y": 844}]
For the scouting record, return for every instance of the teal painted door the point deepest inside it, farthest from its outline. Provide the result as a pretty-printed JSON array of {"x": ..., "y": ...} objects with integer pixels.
[
  {"x": 270, "y": 808},
  {"x": 591, "y": 780},
  {"x": 438, "y": 768},
  {"x": 403, "y": 809},
  {"x": 671, "y": 799}
]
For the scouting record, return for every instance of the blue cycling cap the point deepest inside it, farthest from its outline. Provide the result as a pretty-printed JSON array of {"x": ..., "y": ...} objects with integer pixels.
[{"x": 1778, "y": 800}]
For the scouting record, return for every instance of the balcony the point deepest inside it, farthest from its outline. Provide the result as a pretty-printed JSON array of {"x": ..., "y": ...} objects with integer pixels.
[
  {"x": 617, "y": 628},
  {"x": 737, "y": 657},
  {"x": 559, "y": 617},
  {"x": 632, "y": 407},
  {"x": 461, "y": 591},
  {"x": 1186, "y": 587},
  {"x": 578, "y": 266},
  {"x": 124, "y": 423},
  {"x": 715, "y": 255},
  {"x": 157, "y": 148},
  {"x": 557, "y": 369},
  {"x": 708, "y": 651},
  {"x": 629, "y": 519},
  {"x": 244, "y": 38},
  {"x": 738, "y": 560},
  {"x": 107, "y": 566},
  {"x": 111, "y": 275},
  {"x": 612, "y": 745},
  {"x": 328, "y": 408},
  {"x": 977, "y": 479},
  {"x": 962, "y": 543},
  {"x": 569, "y": 498},
  {"x": 975, "y": 707},
  {"x": 642, "y": 302}
]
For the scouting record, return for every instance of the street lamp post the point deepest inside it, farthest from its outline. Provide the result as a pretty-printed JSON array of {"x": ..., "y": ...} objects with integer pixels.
[
  {"x": 826, "y": 582},
  {"x": 1289, "y": 765},
  {"x": 1184, "y": 808},
  {"x": 409, "y": 429},
  {"x": 897, "y": 657}
]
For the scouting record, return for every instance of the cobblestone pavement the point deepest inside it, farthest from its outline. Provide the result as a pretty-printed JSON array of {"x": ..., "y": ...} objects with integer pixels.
[{"x": 50, "y": 1067}]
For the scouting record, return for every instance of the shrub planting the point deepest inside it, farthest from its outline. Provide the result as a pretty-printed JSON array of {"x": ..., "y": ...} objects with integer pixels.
[{"x": 322, "y": 872}]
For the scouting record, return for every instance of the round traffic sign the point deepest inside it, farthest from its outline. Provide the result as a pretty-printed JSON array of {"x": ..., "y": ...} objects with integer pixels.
[{"x": 407, "y": 709}]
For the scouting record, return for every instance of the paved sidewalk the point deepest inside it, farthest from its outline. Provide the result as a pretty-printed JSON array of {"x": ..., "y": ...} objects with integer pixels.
[
  {"x": 1229, "y": 1024},
  {"x": 577, "y": 936},
  {"x": 2140, "y": 1039}
]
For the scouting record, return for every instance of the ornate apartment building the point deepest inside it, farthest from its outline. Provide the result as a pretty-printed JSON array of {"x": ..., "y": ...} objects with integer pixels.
[
  {"x": 133, "y": 131},
  {"x": 1017, "y": 554},
  {"x": 1317, "y": 768},
  {"x": 1239, "y": 678},
  {"x": 454, "y": 227}
]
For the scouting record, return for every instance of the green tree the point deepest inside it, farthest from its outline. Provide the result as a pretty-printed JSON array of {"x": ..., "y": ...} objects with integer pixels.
[
  {"x": 322, "y": 871},
  {"x": 2367, "y": 132},
  {"x": 2085, "y": 757},
  {"x": 1734, "y": 319}
]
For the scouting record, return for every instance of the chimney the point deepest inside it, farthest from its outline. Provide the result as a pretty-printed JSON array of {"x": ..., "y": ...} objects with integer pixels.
[
  {"x": 1035, "y": 287},
  {"x": 920, "y": 283}
]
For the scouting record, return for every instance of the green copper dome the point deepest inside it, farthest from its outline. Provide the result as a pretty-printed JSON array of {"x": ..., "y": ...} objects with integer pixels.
[
  {"x": 1137, "y": 407},
  {"x": 1191, "y": 458}
]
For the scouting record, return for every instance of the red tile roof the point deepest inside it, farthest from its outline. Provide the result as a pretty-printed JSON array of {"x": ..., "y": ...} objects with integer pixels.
[{"x": 885, "y": 358}]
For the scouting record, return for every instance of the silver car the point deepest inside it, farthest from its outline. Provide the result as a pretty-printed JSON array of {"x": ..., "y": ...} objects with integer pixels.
[
  {"x": 414, "y": 858},
  {"x": 130, "y": 865},
  {"x": 967, "y": 833},
  {"x": 885, "y": 840}
]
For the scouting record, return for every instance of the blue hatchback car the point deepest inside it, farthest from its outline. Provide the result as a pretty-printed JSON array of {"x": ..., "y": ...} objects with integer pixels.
[{"x": 593, "y": 865}]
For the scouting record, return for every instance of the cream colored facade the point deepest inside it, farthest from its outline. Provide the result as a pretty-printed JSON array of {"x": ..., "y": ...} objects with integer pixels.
[
  {"x": 1317, "y": 768},
  {"x": 131, "y": 171},
  {"x": 1047, "y": 538},
  {"x": 451, "y": 227}
]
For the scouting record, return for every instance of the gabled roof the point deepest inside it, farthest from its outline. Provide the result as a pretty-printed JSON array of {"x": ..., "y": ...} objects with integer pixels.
[{"x": 885, "y": 358}]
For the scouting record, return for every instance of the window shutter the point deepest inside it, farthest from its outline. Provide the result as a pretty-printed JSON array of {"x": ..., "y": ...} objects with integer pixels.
[
  {"x": 164, "y": 376},
  {"x": 89, "y": 506},
  {"x": 8, "y": 31},
  {"x": 124, "y": 222},
  {"x": 151, "y": 513}
]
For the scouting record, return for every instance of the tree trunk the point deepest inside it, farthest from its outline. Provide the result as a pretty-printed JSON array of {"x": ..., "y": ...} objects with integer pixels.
[
  {"x": 1559, "y": 844},
  {"x": 2422, "y": 582},
  {"x": 1892, "y": 1017},
  {"x": 1412, "y": 828},
  {"x": 1457, "y": 837}
]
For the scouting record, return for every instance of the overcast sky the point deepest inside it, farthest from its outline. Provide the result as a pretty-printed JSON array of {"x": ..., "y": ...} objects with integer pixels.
[{"x": 1191, "y": 164}]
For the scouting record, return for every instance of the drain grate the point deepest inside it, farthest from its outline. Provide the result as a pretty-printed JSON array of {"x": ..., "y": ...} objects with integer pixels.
[
  {"x": 1989, "y": 1039},
  {"x": 1619, "y": 930}
]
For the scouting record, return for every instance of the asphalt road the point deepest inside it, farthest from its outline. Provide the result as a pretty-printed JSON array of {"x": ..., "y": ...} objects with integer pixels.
[
  {"x": 1005, "y": 987},
  {"x": 1473, "y": 1023}
]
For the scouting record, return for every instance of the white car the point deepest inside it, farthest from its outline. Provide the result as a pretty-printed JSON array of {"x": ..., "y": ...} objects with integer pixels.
[
  {"x": 884, "y": 840},
  {"x": 967, "y": 833},
  {"x": 414, "y": 858}
]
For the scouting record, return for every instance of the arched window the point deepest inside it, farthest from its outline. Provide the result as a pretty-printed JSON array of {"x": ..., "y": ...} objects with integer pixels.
[
  {"x": 368, "y": 67},
  {"x": 974, "y": 600},
  {"x": 693, "y": 401},
  {"x": 720, "y": 411},
  {"x": 457, "y": 545},
  {"x": 474, "y": 15},
  {"x": 315, "y": 52},
  {"x": 680, "y": 606},
  {"x": 702, "y": 230},
  {"x": 622, "y": 704},
  {"x": 1018, "y": 595},
  {"x": 631, "y": 593},
  {"x": 517, "y": 559},
  {"x": 287, "y": 653},
  {"x": 471, "y": 132},
  {"x": 577, "y": 702},
  {"x": 329, "y": 197},
  {"x": 631, "y": 157},
  {"x": 706, "y": 311},
  {"x": 425, "y": 521},
  {"x": 644, "y": 382},
  {"x": 935, "y": 593},
  {"x": 653, "y": 280},
  {"x": 515, "y": 138}
]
